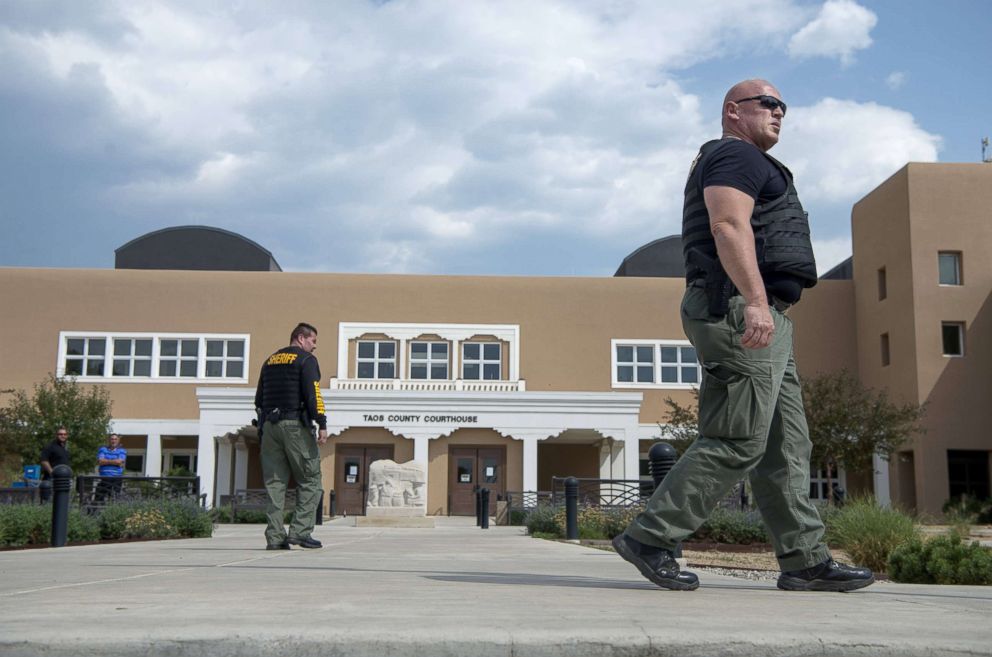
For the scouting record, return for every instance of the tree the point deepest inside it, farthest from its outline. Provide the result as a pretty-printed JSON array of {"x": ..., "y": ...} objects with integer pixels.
[
  {"x": 849, "y": 424},
  {"x": 28, "y": 423},
  {"x": 682, "y": 424}
]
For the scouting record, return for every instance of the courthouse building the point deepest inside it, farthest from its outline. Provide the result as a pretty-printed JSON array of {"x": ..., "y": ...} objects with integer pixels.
[{"x": 506, "y": 382}]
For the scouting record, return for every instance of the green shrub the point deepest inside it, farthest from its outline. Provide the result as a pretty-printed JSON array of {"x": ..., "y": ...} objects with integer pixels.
[
  {"x": 967, "y": 510},
  {"x": 155, "y": 519},
  {"x": 31, "y": 524},
  {"x": 256, "y": 516},
  {"x": 868, "y": 532},
  {"x": 544, "y": 519},
  {"x": 731, "y": 526},
  {"x": 941, "y": 560}
]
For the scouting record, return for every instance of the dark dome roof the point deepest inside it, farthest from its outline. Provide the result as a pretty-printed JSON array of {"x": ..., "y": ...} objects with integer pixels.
[
  {"x": 201, "y": 248},
  {"x": 660, "y": 258}
]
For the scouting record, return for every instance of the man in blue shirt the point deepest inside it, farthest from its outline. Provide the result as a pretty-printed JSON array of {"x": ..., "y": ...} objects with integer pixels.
[{"x": 110, "y": 459}]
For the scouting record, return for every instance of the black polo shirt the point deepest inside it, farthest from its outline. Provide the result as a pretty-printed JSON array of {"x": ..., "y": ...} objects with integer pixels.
[{"x": 55, "y": 454}]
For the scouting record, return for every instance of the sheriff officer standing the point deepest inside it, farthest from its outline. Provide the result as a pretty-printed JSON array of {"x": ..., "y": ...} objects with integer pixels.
[{"x": 288, "y": 401}]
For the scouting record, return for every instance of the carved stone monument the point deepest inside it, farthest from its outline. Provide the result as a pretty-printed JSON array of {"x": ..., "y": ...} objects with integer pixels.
[{"x": 397, "y": 495}]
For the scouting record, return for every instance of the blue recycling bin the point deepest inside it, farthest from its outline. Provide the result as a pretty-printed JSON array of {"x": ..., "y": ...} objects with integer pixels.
[{"x": 32, "y": 472}]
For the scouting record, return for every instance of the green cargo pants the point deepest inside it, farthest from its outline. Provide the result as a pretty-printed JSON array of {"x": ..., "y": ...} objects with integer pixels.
[
  {"x": 289, "y": 448},
  {"x": 751, "y": 422}
]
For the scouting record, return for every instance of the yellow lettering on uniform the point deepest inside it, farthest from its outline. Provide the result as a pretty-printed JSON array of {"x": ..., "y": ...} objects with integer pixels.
[
  {"x": 281, "y": 359},
  {"x": 320, "y": 399}
]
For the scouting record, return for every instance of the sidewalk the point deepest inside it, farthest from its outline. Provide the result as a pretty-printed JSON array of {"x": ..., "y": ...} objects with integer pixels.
[{"x": 452, "y": 590}]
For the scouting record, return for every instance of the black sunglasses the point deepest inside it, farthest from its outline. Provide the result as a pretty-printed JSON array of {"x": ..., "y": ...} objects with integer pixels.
[{"x": 768, "y": 102}]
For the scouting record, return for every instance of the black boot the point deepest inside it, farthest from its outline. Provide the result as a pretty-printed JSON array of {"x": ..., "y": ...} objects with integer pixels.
[
  {"x": 827, "y": 576},
  {"x": 655, "y": 563}
]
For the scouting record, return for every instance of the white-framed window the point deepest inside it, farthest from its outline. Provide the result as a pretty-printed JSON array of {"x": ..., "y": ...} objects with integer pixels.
[
  {"x": 84, "y": 356},
  {"x": 376, "y": 359},
  {"x": 820, "y": 485},
  {"x": 481, "y": 361},
  {"x": 178, "y": 357},
  {"x": 429, "y": 360},
  {"x": 135, "y": 461},
  {"x": 153, "y": 357},
  {"x": 635, "y": 363},
  {"x": 178, "y": 458},
  {"x": 654, "y": 364},
  {"x": 132, "y": 357},
  {"x": 949, "y": 267},
  {"x": 225, "y": 358}
]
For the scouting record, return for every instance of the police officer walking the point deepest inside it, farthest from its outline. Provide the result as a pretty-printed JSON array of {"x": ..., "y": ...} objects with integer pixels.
[
  {"x": 748, "y": 258},
  {"x": 288, "y": 402}
]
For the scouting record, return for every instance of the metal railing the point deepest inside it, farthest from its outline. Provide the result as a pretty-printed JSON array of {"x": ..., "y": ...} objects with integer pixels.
[
  {"x": 609, "y": 493},
  {"x": 20, "y": 495},
  {"x": 95, "y": 492}
]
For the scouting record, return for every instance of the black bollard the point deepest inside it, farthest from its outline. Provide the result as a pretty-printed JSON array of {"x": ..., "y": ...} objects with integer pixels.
[
  {"x": 319, "y": 520},
  {"x": 334, "y": 509},
  {"x": 661, "y": 459},
  {"x": 478, "y": 507},
  {"x": 61, "y": 487},
  {"x": 572, "y": 509},
  {"x": 484, "y": 494}
]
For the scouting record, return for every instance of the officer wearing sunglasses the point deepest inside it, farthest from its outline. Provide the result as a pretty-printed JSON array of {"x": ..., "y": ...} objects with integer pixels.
[{"x": 748, "y": 257}]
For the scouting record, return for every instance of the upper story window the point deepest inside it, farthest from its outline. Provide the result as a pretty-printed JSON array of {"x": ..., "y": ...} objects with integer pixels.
[
  {"x": 428, "y": 360},
  {"x": 949, "y": 266},
  {"x": 481, "y": 361},
  {"x": 376, "y": 359},
  {"x": 84, "y": 356},
  {"x": 654, "y": 363},
  {"x": 132, "y": 357},
  {"x": 153, "y": 357},
  {"x": 225, "y": 359},
  {"x": 178, "y": 357},
  {"x": 421, "y": 356}
]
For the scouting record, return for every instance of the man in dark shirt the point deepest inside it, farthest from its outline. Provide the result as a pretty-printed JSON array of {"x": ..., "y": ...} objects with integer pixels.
[
  {"x": 748, "y": 257},
  {"x": 55, "y": 453},
  {"x": 288, "y": 401}
]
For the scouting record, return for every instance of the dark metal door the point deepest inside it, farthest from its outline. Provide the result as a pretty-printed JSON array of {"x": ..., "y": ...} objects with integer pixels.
[
  {"x": 472, "y": 468},
  {"x": 351, "y": 477}
]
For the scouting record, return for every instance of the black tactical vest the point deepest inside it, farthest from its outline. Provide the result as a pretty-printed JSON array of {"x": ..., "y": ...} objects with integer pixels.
[
  {"x": 781, "y": 229},
  {"x": 281, "y": 376}
]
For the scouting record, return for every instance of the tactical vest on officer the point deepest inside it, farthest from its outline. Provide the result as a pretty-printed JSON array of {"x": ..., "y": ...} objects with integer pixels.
[
  {"x": 781, "y": 236},
  {"x": 281, "y": 387}
]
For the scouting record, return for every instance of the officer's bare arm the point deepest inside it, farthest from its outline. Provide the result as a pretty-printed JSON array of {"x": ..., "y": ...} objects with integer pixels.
[{"x": 730, "y": 221}]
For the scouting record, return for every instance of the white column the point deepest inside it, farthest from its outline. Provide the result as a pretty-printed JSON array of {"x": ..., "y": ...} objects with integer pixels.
[
  {"x": 606, "y": 459},
  {"x": 530, "y": 463},
  {"x": 881, "y": 481},
  {"x": 631, "y": 456},
  {"x": 205, "y": 459},
  {"x": 153, "y": 455},
  {"x": 240, "y": 464},
  {"x": 224, "y": 450}
]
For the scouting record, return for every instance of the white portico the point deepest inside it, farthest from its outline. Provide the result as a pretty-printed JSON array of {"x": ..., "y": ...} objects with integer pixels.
[{"x": 426, "y": 415}]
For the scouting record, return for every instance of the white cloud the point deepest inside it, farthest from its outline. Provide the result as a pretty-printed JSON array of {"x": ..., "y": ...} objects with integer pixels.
[
  {"x": 417, "y": 136},
  {"x": 895, "y": 80},
  {"x": 831, "y": 252},
  {"x": 841, "y": 28},
  {"x": 841, "y": 149}
]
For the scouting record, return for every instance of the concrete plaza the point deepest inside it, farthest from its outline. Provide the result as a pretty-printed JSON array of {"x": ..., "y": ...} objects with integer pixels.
[{"x": 451, "y": 590}]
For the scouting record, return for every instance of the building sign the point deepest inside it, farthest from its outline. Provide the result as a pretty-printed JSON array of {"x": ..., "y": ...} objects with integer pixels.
[{"x": 407, "y": 418}]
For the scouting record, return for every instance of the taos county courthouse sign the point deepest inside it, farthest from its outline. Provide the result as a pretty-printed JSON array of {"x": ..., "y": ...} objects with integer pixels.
[{"x": 420, "y": 419}]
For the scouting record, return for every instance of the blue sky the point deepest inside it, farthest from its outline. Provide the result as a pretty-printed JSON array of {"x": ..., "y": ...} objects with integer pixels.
[{"x": 520, "y": 138}]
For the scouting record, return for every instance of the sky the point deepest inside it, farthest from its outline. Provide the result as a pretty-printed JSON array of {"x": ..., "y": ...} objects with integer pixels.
[{"x": 455, "y": 136}]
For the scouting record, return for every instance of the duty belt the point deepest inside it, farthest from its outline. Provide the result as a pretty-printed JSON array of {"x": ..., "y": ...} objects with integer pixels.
[
  {"x": 277, "y": 415},
  {"x": 773, "y": 301}
]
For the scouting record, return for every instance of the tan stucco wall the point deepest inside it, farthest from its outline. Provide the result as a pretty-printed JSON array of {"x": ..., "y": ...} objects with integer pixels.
[
  {"x": 558, "y": 460},
  {"x": 902, "y": 225}
]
